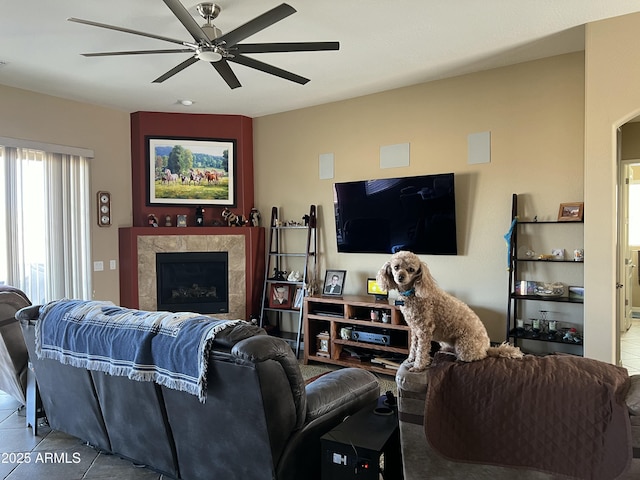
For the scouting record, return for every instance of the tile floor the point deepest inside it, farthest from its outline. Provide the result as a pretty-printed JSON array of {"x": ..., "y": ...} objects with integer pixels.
[
  {"x": 630, "y": 348},
  {"x": 54, "y": 455}
]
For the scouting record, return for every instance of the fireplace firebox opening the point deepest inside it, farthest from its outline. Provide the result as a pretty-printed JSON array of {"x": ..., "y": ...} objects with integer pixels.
[{"x": 193, "y": 282}]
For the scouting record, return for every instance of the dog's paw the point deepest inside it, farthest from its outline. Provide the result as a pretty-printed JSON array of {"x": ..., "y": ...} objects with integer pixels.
[
  {"x": 408, "y": 363},
  {"x": 416, "y": 368},
  {"x": 420, "y": 366}
]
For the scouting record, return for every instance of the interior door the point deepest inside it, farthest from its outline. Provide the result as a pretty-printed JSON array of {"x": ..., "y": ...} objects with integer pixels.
[{"x": 626, "y": 265}]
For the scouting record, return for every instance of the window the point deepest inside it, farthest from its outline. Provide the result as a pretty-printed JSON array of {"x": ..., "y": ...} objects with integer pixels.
[{"x": 46, "y": 236}]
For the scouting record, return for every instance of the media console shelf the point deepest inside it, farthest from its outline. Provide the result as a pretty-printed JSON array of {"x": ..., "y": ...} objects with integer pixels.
[{"x": 373, "y": 343}]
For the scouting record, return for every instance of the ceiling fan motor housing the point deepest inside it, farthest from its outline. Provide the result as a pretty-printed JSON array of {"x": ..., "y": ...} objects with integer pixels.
[{"x": 211, "y": 31}]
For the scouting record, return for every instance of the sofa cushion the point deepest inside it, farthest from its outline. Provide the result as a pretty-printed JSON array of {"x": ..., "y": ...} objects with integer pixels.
[
  {"x": 230, "y": 336},
  {"x": 338, "y": 388},
  {"x": 633, "y": 395},
  {"x": 276, "y": 349}
]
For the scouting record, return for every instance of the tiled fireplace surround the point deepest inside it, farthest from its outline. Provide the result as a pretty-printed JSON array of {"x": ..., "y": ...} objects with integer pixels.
[
  {"x": 139, "y": 244},
  {"x": 149, "y": 246}
]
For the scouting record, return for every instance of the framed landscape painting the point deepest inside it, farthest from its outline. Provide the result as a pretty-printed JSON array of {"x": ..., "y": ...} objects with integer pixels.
[{"x": 191, "y": 171}]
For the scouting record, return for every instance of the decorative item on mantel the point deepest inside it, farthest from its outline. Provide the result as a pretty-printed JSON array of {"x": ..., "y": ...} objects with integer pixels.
[
  {"x": 181, "y": 221},
  {"x": 152, "y": 220},
  {"x": 232, "y": 219},
  {"x": 199, "y": 216},
  {"x": 254, "y": 217},
  {"x": 167, "y": 221}
]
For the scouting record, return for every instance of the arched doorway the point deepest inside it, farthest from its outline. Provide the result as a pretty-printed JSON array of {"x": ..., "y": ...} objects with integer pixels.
[{"x": 628, "y": 261}]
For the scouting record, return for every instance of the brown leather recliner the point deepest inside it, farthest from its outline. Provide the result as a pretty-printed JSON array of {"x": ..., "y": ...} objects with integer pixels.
[{"x": 14, "y": 357}]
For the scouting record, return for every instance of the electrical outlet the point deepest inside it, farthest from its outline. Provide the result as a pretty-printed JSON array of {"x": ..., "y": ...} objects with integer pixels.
[
  {"x": 112, "y": 264},
  {"x": 98, "y": 266}
]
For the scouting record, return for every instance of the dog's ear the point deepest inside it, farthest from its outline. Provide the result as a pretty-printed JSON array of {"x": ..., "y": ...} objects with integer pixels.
[
  {"x": 384, "y": 278},
  {"x": 424, "y": 281}
]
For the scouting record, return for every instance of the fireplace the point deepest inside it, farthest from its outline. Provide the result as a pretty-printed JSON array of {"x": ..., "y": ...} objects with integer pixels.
[
  {"x": 193, "y": 282},
  {"x": 244, "y": 246}
]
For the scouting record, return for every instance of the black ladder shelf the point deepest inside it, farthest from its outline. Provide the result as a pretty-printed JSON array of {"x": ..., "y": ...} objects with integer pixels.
[
  {"x": 516, "y": 298},
  {"x": 279, "y": 260}
]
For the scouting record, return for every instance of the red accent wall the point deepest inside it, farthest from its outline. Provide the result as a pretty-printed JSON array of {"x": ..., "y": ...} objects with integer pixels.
[
  {"x": 229, "y": 127},
  {"x": 204, "y": 126}
]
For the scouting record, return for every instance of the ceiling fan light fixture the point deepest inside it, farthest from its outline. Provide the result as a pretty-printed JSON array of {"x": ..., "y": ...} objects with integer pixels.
[
  {"x": 186, "y": 103},
  {"x": 208, "y": 54}
]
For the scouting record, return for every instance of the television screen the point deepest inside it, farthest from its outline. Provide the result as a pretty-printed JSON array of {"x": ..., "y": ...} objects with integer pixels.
[{"x": 392, "y": 214}]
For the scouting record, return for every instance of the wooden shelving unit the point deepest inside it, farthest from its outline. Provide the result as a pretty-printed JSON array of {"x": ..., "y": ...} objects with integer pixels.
[{"x": 331, "y": 314}]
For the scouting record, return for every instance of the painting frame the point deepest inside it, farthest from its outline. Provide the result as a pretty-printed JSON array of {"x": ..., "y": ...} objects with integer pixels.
[
  {"x": 198, "y": 185},
  {"x": 274, "y": 290},
  {"x": 328, "y": 280},
  {"x": 571, "y": 212}
]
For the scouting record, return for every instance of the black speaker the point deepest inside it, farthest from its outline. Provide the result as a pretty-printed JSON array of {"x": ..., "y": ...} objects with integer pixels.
[{"x": 104, "y": 209}]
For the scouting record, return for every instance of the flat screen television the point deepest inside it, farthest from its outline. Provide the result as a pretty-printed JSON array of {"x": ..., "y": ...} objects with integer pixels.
[{"x": 417, "y": 214}]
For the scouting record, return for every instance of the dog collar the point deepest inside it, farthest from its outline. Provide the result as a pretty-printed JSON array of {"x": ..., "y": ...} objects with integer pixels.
[{"x": 408, "y": 293}]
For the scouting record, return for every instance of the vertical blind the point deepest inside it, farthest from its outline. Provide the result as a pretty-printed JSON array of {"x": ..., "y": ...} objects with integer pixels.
[{"x": 47, "y": 224}]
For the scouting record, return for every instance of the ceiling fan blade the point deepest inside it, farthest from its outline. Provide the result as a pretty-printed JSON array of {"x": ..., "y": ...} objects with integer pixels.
[
  {"x": 270, "y": 69},
  {"x": 188, "y": 21},
  {"x": 287, "y": 47},
  {"x": 137, "y": 52},
  {"x": 224, "y": 69},
  {"x": 254, "y": 26},
  {"x": 125, "y": 30},
  {"x": 176, "y": 69}
]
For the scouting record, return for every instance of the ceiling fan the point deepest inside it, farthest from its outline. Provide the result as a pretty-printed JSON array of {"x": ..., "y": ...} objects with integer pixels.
[{"x": 211, "y": 45}]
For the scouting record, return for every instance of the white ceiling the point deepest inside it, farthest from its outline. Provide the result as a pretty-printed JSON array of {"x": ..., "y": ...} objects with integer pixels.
[{"x": 383, "y": 45}]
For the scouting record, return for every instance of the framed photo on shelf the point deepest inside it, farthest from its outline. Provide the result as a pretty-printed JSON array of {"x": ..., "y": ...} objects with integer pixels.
[
  {"x": 334, "y": 282},
  {"x": 571, "y": 212},
  {"x": 190, "y": 171},
  {"x": 298, "y": 296},
  {"x": 279, "y": 296}
]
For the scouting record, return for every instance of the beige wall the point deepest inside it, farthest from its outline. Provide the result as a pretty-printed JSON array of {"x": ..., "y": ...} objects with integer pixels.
[
  {"x": 612, "y": 97},
  {"x": 535, "y": 114},
  {"x": 42, "y": 118}
]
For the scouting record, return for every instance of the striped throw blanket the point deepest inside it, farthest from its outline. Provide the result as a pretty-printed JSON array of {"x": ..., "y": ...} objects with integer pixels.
[{"x": 168, "y": 348}]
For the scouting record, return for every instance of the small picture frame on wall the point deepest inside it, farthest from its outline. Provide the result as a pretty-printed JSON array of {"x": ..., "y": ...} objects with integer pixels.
[{"x": 571, "y": 212}]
